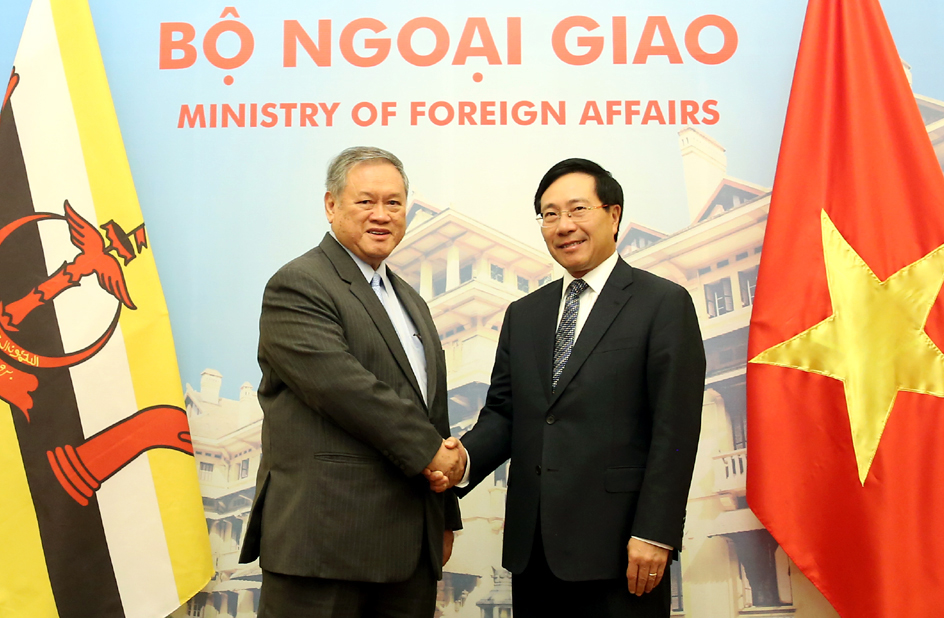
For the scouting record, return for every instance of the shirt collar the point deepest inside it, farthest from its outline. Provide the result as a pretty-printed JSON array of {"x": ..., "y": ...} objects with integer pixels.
[
  {"x": 366, "y": 268},
  {"x": 597, "y": 277}
]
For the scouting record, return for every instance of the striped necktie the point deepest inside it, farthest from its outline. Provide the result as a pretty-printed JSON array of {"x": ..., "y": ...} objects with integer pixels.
[{"x": 564, "y": 341}]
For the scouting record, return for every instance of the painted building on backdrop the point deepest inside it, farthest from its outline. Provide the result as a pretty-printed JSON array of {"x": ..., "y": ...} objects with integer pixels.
[{"x": 468, "y": 273}]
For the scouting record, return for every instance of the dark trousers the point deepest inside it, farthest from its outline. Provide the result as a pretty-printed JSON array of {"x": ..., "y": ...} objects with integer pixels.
[
  {"x": 538, "y": 593},
  {"x": 292, "y": 596}
]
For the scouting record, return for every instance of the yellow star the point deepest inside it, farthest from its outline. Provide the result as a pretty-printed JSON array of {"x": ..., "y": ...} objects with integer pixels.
[{"x": 874, "y": 342}]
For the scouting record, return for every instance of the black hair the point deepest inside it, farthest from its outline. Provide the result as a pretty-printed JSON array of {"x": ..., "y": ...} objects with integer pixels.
[{"x": 608, "y": 191}]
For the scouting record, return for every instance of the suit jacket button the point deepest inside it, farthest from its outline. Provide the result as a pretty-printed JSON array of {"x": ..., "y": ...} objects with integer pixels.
[
  {"x": 537, "y": 469},
  {"x": 550, "y": 419}
]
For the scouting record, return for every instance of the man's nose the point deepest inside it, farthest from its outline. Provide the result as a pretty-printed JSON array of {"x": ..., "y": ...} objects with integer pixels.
[
  {"x": 379, "y": 213},
  {"x": 566, "y": 224}
]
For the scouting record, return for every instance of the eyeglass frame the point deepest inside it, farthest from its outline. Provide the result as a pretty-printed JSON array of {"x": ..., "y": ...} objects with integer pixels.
[{"x": 583, "y": 210}]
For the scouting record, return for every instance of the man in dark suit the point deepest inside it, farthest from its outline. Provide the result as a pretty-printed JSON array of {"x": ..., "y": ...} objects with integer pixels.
[
  {"x": 596, "y": 397},
  {"x": 354, "y": 399}
]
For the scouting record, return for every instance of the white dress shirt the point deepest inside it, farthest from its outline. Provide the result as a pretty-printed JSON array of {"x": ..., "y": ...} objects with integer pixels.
[{"x": 406, "y": 329}]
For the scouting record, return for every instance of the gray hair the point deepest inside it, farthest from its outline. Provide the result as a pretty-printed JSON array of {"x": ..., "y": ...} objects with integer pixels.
[{"x": 342, "y": 164}]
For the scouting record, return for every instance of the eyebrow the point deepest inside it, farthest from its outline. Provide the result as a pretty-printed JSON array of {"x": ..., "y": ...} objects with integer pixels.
[
  {"x": 371, "y": 194},
  {"x": 576, "y": 200}
]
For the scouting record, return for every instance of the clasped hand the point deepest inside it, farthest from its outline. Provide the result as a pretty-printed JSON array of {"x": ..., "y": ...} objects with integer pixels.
[{"x": 447, "y": 467}]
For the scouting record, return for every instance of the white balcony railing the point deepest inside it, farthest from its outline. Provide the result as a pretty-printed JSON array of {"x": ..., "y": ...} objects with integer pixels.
[{"x": 731, "y": 472}]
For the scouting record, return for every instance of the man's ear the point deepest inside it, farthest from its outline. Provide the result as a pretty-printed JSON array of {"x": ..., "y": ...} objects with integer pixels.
[{"x": 330, "y": 206}]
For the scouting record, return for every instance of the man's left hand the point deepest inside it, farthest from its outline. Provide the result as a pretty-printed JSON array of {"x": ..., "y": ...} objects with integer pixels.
[
  {"x": 647, "y": 564},
  {"x": 449, "y": 537}
]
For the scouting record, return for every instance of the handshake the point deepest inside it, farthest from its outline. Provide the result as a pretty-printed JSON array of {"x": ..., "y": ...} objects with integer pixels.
[{"x": 447, "y": 467}]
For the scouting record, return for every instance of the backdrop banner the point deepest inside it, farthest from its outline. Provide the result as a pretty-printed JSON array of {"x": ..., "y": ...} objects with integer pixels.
[{"x": 229, "y": 115}]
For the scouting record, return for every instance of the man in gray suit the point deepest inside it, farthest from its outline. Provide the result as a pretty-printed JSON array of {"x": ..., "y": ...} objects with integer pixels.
[{"x": 354, "y": 396}]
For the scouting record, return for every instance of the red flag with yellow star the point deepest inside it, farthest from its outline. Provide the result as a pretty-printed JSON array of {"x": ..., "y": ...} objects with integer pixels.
[{"x": 846, "y": 376}]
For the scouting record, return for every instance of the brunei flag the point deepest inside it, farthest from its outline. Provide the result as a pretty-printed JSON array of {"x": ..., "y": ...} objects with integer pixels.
[{"x": 101, "y": 512}]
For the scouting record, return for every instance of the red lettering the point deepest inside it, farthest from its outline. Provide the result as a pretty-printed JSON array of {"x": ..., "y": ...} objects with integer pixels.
[
  {"x": 612, "y": 110},
  {"x": 728, "y": 47},
  {"x": 487, "y": 113},
  {"x": 405, "y": 41},
  {"x": 293, "y": 34},
  {"x": 466, "y": 109},
  {"x": 647, "y": 46},
  {"x": 711, "y": 112},
  {"x": 371, "y": 111},
  {"x": 487, "y": 49},
  {"x": 246, "y": 44},
  {"x": 514, "y": 40},
  {"x": 328, "y": 111},
  {"x": 632, "y": 109},
  {"x": 417, "y": 109},
  {"x": 271, "y": 118},
  {"x": 687, "y": 110},
  {"x": 381, "y": 46},
  {"x": 560, "y": 114},
  {"x": 671, "y": 112},
  {"x": 593, "y": 44},
  {"x": 619, "y": 40},
  {"x": 450, "y": 113},
  {"x": 287, "y": 108},
  {"x": 307, "y": 113},
  {"x": 212, "y": 115},
  {"x": 526, "y": 117},
  {"x": 388, "y": 110},
  {"x": 169, "y": 45},
  {"x": 591, "y": 112},
  {"x": 230, "y": 114},
  {"x": 653, "y": 112},
  {"x": 191, "y": 118}
]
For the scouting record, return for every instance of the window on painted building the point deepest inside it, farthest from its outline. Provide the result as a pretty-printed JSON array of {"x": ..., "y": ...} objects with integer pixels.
[
  {"x": 498, "y": 273},
  {"x": 718, "y": 297},
  {"x": 197, "y": 605},
  {"x": 748, "y": 279},
  {"x": 206, "y": 471},
  {"x": 523, "y": 284},
  {"x": 465, "y": 273},
  {"x": 764, "y": 570},
  {"x": 244, "y": 468},
  {"x": 675, "y": 575},
  {"x": 439, "y": 284}
]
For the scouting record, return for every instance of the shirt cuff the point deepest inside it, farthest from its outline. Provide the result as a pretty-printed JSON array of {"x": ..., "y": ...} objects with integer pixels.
[
  {"x": 662, "y": 545},
  {"x": 465, "y": 475}
]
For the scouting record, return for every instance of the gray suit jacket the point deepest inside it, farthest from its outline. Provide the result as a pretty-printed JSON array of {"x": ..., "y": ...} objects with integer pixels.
[{"x": 346, "y": 432}]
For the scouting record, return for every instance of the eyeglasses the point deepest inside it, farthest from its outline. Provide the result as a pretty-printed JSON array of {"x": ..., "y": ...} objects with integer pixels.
[{"x": 551, "y": 218}]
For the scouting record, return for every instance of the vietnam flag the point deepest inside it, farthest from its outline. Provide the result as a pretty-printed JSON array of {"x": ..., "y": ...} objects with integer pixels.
[
  {"x": 101, "y": 513},
  {"x": 846, "y": 376}
]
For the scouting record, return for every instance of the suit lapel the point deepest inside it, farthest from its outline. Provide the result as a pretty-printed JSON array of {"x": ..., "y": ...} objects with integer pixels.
[
  {"x": 544, "y": 327},
  {"x": 614, "y": 296},
  {"x": 426, "y": 331},
  {"x": 360, "y": 288}
]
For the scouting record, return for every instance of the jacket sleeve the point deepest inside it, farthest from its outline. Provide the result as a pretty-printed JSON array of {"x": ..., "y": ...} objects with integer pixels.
[{"x": 675, "y": 376}]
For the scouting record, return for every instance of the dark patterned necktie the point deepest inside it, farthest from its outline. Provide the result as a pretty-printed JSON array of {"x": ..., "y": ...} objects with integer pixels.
[{"x": 564, "y": 341}]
